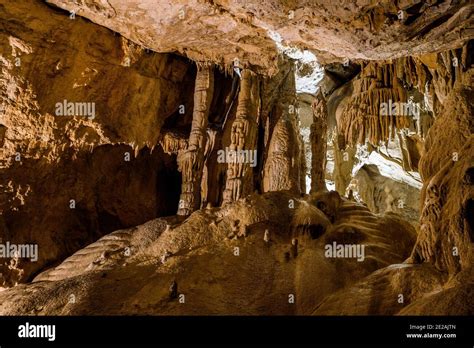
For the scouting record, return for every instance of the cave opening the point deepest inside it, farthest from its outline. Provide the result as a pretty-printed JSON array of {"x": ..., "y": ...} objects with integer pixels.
[{"x": 130, "y": 192}]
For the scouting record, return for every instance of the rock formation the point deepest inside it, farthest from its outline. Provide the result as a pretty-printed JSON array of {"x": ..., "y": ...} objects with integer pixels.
[
  {"x": 319, "y": 144},
  {"x": 191, "y": 160},
  {"x": 201, "y": 242},
  {"x": 359, "y": 30},
  {"x": 159, "y": 157}
]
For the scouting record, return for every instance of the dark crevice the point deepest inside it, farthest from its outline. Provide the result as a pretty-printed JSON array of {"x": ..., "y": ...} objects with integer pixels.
[
  {"x": 3, "y": 130},
  {"x": 469, "y": 218},
  {"x": 316, "y": 231},
  {"x": 469, "y": 176},
  {"x": 414, "y": 13},
  {"x": 425, "y": 30}
]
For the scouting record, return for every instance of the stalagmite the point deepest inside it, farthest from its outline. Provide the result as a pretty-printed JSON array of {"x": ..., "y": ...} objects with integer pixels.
[
  {"x": 318, "y": 144},
  {"x": 344, "y": 159},
  {"x": 284, "y": 166},
  {"x": 191, "y": 160}
]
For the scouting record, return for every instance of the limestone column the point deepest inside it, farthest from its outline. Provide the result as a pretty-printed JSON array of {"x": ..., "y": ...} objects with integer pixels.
[
  {"x": 190, "y": 161},
  {"x": 243, "y": 137},
  {"x": 318, "y": 140},
  {"x": 344, "y": 159},
  {"x": 285, "y": 166}
]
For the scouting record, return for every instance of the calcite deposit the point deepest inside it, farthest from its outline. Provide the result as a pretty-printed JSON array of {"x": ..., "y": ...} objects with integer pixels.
[{"x": 199, "y": 157}]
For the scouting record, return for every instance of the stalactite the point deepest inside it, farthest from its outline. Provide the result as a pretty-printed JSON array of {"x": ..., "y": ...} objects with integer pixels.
[
  {"x": 190, "y": 161},
  {"x": 368, "y": 114},
  {"x": 172, "y": 143}
]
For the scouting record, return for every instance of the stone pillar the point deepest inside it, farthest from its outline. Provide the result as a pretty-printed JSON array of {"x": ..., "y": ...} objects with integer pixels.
[
  {"x": 344, "y": 159},
  {"x": 285, "y": 166},
  {"x": 190, "y": 161},
  {"x": 243, "y": 137},
  {"x": 318, "y": 140}
]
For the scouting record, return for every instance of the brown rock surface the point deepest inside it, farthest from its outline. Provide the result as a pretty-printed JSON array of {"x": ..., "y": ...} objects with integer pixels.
[
  {"x": 55, "y": 171},
  {"x": 217, "y": 274},
  {"x": 48, "y": 160},
  {"x": 227, "y": 29},
  {"x": 156, "y": 157}
]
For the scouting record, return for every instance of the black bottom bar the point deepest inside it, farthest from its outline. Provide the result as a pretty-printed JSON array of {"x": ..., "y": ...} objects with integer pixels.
[{"x": 195, "y": 331}]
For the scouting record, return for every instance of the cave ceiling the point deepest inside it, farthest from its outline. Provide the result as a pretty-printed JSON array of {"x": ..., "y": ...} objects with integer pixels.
[{"x": 224, "y": 30}]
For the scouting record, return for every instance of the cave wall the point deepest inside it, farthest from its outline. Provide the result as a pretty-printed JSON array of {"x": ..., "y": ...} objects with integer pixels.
[
  {"x": 318, "y": 138},
  {"x": 68, "y": 180},
  {"x": 152, "y": 149},
  {"x": 445, "y": 237},
  {"x": 437, "y": 143}
]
